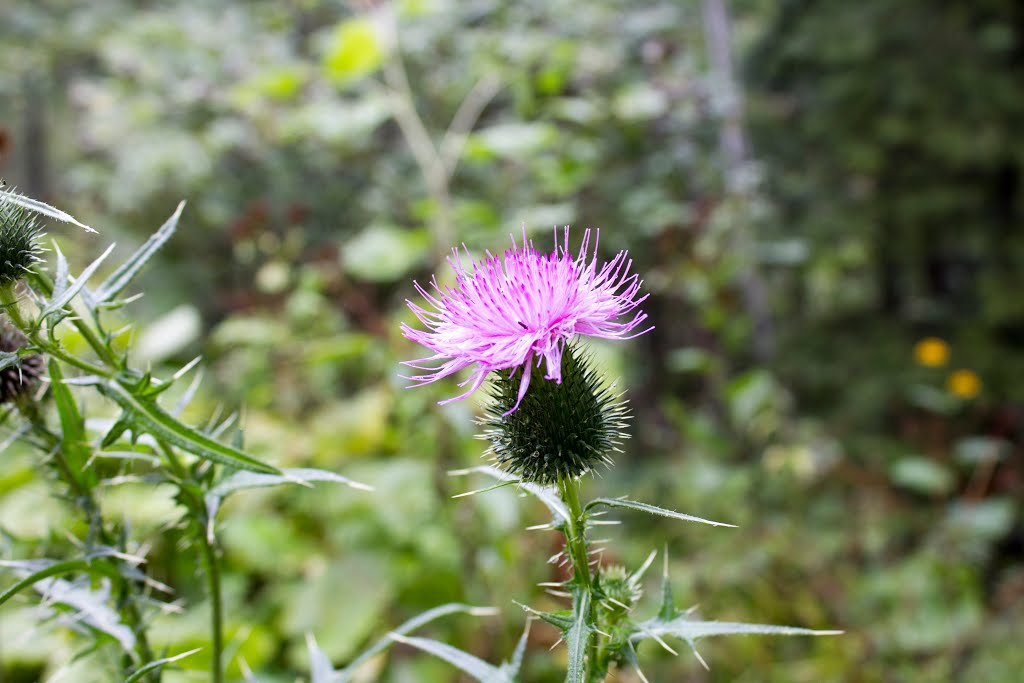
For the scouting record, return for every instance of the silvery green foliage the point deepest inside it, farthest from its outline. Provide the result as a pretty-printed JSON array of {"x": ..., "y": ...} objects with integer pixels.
[
  {"x": 321, "y": 670},
  {"x": 603, "y": 602},
  {"x": 104, "y": 591}
]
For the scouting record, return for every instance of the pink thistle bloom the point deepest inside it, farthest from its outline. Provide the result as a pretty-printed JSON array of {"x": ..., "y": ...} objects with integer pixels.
[{"x": 506, "y": 313}]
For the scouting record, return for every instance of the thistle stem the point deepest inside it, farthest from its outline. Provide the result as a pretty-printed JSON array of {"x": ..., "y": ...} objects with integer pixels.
[
  {"x": 575, "y": 533},
  {"x": 211, "y": 563},
  {"x": 576, "y": 548}
]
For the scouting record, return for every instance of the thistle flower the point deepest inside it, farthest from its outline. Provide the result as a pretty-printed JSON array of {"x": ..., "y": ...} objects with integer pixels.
[
  {"x": 19, "y": 242},
  {"x": 22, "y": 377},
  {"x": 519, "y": 311},
  {"x": 560, "y": 430}
]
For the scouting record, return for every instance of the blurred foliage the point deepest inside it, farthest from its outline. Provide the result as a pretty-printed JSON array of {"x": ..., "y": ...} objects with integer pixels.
[{"x": 883, "y": 207}]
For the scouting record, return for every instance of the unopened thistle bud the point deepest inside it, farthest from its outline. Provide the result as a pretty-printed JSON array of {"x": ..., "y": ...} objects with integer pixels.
[
  {"x": 21, "y": 378},
  {"x": 619, "y": 592},
  {"x": 560, "y": 430},
  {"x": 19, "y": 242}
]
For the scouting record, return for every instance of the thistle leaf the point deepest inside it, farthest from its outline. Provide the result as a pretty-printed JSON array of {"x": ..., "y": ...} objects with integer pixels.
[
  {"x": 152, "y": 418},
  {"x": 238, "y": 481},
  {"x": 41, "y": 208},
  {"x": 320, "y": 668},
  {"x": 44, "y": 569},
  {"x": 158, "y": 664},
  {"x": 121, "y": 277},
  {"x": 691, "y": 629},
  {"x": 347, "y": 674},
  {"x": 72, "y": 424},
  {"x": 577, "y": 639},
  {"x": 516, "y": 663},
  {"x": 545, "y": 494},
  {"x": 470, "y": 664},
  {"x": 652, "y": 509},
  {"x": 66, "y": 294}
]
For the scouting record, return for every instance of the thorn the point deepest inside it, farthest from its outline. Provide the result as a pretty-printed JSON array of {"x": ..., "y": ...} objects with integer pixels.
[{"x": 699, "y": 658}]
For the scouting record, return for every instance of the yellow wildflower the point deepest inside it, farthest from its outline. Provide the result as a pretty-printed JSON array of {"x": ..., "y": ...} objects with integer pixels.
[
  {"x": 931, "y": 352},
  {"x": 964, "y": 383}
]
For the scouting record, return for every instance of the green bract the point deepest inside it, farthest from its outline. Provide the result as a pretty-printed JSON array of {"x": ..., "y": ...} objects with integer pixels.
[
  {"x": 559, "y": 431},
  {"x": 19, "y": 246}
]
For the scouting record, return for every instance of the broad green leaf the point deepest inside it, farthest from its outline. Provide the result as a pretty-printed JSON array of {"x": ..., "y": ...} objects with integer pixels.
[
  {"x": 577, "y": 640},
  {"x": 121, "y": 277},
  {"x": 152, "y": 418},
  {"x": 65, "y": 295},
  {"x": 158, "y": 664},
  {"x": 652, "y": 509},
  {"x": 40, "y": 207},
  {"x": 347, "y": 674},
  {"x": 474, "y": 666}
]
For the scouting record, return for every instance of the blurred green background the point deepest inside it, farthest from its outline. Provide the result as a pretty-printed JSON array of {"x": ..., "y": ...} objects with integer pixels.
[{"x": 829, "y": 227}]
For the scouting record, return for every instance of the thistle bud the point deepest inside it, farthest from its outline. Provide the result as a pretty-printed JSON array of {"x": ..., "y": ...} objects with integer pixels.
[
  {"x": 19, "y": 242},
  {"x": 21, "y": 378},
  {"x": 619, "y": 592},
  {"x": 561, "y": 430}
]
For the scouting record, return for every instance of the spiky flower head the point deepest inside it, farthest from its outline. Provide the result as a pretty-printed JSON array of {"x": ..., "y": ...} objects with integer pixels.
[
  {"x": 619, "y": 592},
  {"x": 560, "y": 430},
  {"x": 19, "y": 241},
  {"x": 20, "y": 378},
  {"x": 520, "y": 310}
]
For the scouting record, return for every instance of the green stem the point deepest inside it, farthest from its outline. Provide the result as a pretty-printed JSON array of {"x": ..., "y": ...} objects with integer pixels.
[
  {"x": 576, "y": 548},
  {"x": 43, "y": 283},
  {"x": 10, "y": 304},
  {"x": 211, "y": 562},
  {"x": 87, "y": 502},
  {"x": 575, "y": 533}
]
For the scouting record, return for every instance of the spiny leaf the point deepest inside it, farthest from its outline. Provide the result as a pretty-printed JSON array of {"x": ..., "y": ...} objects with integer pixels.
[
  {"x": 152, "y": 418},
  {"x": 561, "y": 619},
  {"x": 90, "y": 607},
  {"x": 158, "y": 664},
  {"x": 689, "y": 629},
  {"x": 545, "y": 494},
  {"x": 40, "y": 207},
  {"x": 51, "y": 568},
  {"x": 470, "y": 664},
  {"x": 578, "y": 640},
  {"x": 668, "y": 609},
  {"x": 320, "y": 668},
  {"x": 346, "y": 675},
  {"x": 239, "y": 481},
  {"x": 121, "y": 277},
  {"x": 652, "y": 509},
  {"x": 516, "y": 663},
  {"x": 61, "y": 299}
]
